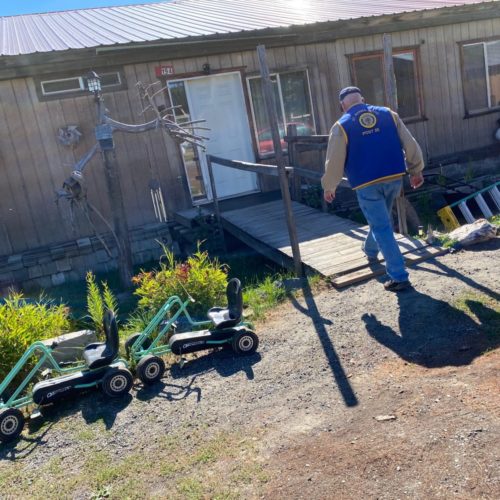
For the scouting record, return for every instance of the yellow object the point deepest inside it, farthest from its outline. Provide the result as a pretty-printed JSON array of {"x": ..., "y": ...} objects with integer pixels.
[{"x": 448, "y": 218}]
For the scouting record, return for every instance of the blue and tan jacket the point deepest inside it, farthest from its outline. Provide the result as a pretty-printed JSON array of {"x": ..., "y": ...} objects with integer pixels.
[{"x": 372, "y": 145}]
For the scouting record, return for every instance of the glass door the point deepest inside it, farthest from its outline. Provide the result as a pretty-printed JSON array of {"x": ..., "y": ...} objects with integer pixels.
[{"x": 190, "y": 155}]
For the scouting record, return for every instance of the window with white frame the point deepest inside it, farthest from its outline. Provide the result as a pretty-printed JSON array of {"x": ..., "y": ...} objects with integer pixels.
[
  {"x": 76, "y": 84},
  {"x": 481, "y": 75},
  {"x": 293, "y": 104}
]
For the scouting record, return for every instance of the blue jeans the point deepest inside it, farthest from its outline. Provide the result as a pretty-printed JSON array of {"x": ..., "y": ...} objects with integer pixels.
[{"x": 376, "y": 203}]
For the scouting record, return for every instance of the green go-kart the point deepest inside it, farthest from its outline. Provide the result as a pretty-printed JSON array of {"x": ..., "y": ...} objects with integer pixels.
[
  {"x": 223, "y": 328},
  {"x": 101, "y": 366}
]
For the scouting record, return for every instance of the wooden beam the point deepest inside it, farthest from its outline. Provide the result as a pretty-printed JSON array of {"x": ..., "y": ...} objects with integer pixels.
[
  {"x": 392, "y": 101},
  {"x": 259, "y": 168},
  {"x": 268, "y": 91},
  {"x": 307, "y": 139},
  {"x": 306, "y": 173},
  {"x": 304, "y": 147}
]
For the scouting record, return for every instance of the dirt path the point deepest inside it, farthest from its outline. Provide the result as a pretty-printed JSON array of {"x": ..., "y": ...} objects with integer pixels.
[{"x": 297, "y": 420}]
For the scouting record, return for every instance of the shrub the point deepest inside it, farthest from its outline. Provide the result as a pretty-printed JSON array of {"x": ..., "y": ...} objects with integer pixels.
[
  {"x": 203, "y": 278},
  {"x": 22, "y": 323},
  {"x": 98, "y": 301}
]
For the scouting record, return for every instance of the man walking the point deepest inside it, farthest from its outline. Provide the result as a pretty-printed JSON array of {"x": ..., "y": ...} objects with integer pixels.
[{"x": 375, "y": 149}]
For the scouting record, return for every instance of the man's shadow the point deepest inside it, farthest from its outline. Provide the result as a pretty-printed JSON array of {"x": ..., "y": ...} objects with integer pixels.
[{"x": 433, "y": 333}]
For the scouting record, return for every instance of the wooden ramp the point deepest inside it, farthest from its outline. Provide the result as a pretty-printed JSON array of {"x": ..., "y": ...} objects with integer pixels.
[{"x": 328, "y": 244}]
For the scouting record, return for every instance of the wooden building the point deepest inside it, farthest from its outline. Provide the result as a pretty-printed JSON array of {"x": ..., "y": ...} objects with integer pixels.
[{"x": 447, "y": 65}]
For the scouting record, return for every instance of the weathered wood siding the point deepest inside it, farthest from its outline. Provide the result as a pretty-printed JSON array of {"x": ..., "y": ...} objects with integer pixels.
[
  {"x": 446, "y": 129},
  {"x": 33, "y": 164}
]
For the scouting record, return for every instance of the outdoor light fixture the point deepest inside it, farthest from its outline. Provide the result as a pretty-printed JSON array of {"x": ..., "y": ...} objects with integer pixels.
[{"x": 93, "y": 82}]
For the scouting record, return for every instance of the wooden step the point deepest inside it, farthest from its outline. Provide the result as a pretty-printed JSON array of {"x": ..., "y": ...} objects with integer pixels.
[{"x": 371, "y": 271}]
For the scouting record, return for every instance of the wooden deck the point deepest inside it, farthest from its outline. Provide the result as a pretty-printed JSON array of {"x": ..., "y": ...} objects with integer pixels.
[{"x": 328, "y": 244}]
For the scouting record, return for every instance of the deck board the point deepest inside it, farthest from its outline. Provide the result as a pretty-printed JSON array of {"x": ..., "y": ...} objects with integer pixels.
[{"x": 328, "y": 244}]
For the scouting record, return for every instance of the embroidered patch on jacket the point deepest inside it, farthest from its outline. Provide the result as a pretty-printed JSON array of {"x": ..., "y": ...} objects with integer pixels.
[{"x": 368, "y": 120}]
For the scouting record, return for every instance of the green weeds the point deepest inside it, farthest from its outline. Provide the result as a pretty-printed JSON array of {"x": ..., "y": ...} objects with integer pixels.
[
  {"x": 22, "y": 322},
  {"x": 484, "y": 310}
]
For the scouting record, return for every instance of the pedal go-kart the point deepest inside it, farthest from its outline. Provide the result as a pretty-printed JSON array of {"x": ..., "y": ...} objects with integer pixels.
[
  {"x": 225, "y": 328},
  {"x": 101, "y": 367}
]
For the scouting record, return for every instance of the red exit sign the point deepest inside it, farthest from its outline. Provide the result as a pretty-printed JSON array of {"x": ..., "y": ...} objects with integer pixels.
[{"x": 164, "y": 70}]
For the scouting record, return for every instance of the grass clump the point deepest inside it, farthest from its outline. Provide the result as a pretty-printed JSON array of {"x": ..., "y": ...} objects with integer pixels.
[
  {"x": 495, "y": 220},
  {"x": 484, "y": 310},
  {"x": 264, "y": 296},
  {"x": 445, "y": 241}
]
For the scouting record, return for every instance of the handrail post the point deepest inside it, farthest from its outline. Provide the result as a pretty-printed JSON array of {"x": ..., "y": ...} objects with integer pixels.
[
  {"x": 392, "y": 101},
  {"x": 215, "y": 201},
  {"x": 267, "y": 90}
]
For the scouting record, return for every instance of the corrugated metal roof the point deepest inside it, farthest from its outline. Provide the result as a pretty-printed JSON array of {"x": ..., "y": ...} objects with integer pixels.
[{"x": 77, "y": 29}]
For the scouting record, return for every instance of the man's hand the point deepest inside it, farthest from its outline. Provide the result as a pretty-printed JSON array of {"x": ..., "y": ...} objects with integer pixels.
[
  {"x": 329, "y": 196},
  {"x": 416, "y": 180}
]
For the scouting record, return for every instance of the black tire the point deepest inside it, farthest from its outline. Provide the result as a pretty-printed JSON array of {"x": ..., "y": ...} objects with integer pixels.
[
  {"x": 245, "y": 342},
  {"x": 11, "y": 424},
  {"x": 131, "y": 341},
  {"x": 150, "y": 369},
  {"x": 117, "y": 382}
]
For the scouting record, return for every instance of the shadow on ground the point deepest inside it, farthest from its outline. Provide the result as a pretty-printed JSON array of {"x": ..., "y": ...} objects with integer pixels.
[
  {"x": 433, "y": 333},
  {"x": 311, "y": 310},
  {"x": 94, "y": 406}
]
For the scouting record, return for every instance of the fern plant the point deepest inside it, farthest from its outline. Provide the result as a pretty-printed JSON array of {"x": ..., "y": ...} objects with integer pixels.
[{"x": 98, "y": 301}]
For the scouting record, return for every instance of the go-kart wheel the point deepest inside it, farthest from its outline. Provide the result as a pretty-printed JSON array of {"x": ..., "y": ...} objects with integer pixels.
[
  {"x": 245, "y": 342},
  {"x": 11, "y": 424},
  {"x": 117, "y": 382},
  {"x": 150, "y": 369},
  {"x": 131, "y": 341}
]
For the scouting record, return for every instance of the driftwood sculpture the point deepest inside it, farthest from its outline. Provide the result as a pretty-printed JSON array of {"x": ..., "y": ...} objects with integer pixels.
[{"x": 74, "y": 188}]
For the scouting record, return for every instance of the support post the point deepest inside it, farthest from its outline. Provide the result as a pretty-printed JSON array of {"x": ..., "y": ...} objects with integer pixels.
[
  {"x": 120, "y": 225},
  {"x": 215, "y": 201},
  {"x": 267, "y": 90},
  {"x": 392, "y": 101},
  {"x": 291, "y": 131}
]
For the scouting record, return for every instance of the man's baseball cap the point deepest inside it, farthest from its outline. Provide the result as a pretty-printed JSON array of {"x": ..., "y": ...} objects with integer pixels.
[{"x": 348, "y": 90}]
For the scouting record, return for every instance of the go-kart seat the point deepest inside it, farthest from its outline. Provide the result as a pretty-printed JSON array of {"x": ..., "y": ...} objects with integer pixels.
[
  {"x": 103, "y": 353},
  {"x": 230, "y": 316}
]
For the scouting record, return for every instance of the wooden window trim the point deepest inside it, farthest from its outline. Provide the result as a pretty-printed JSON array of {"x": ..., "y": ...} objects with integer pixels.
[
  {"x": 77, "y": 93},
  {"x": 279, "y": 71},
  {"x": 415, "y": 49},
  {"x": 478, "y": 112}
]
